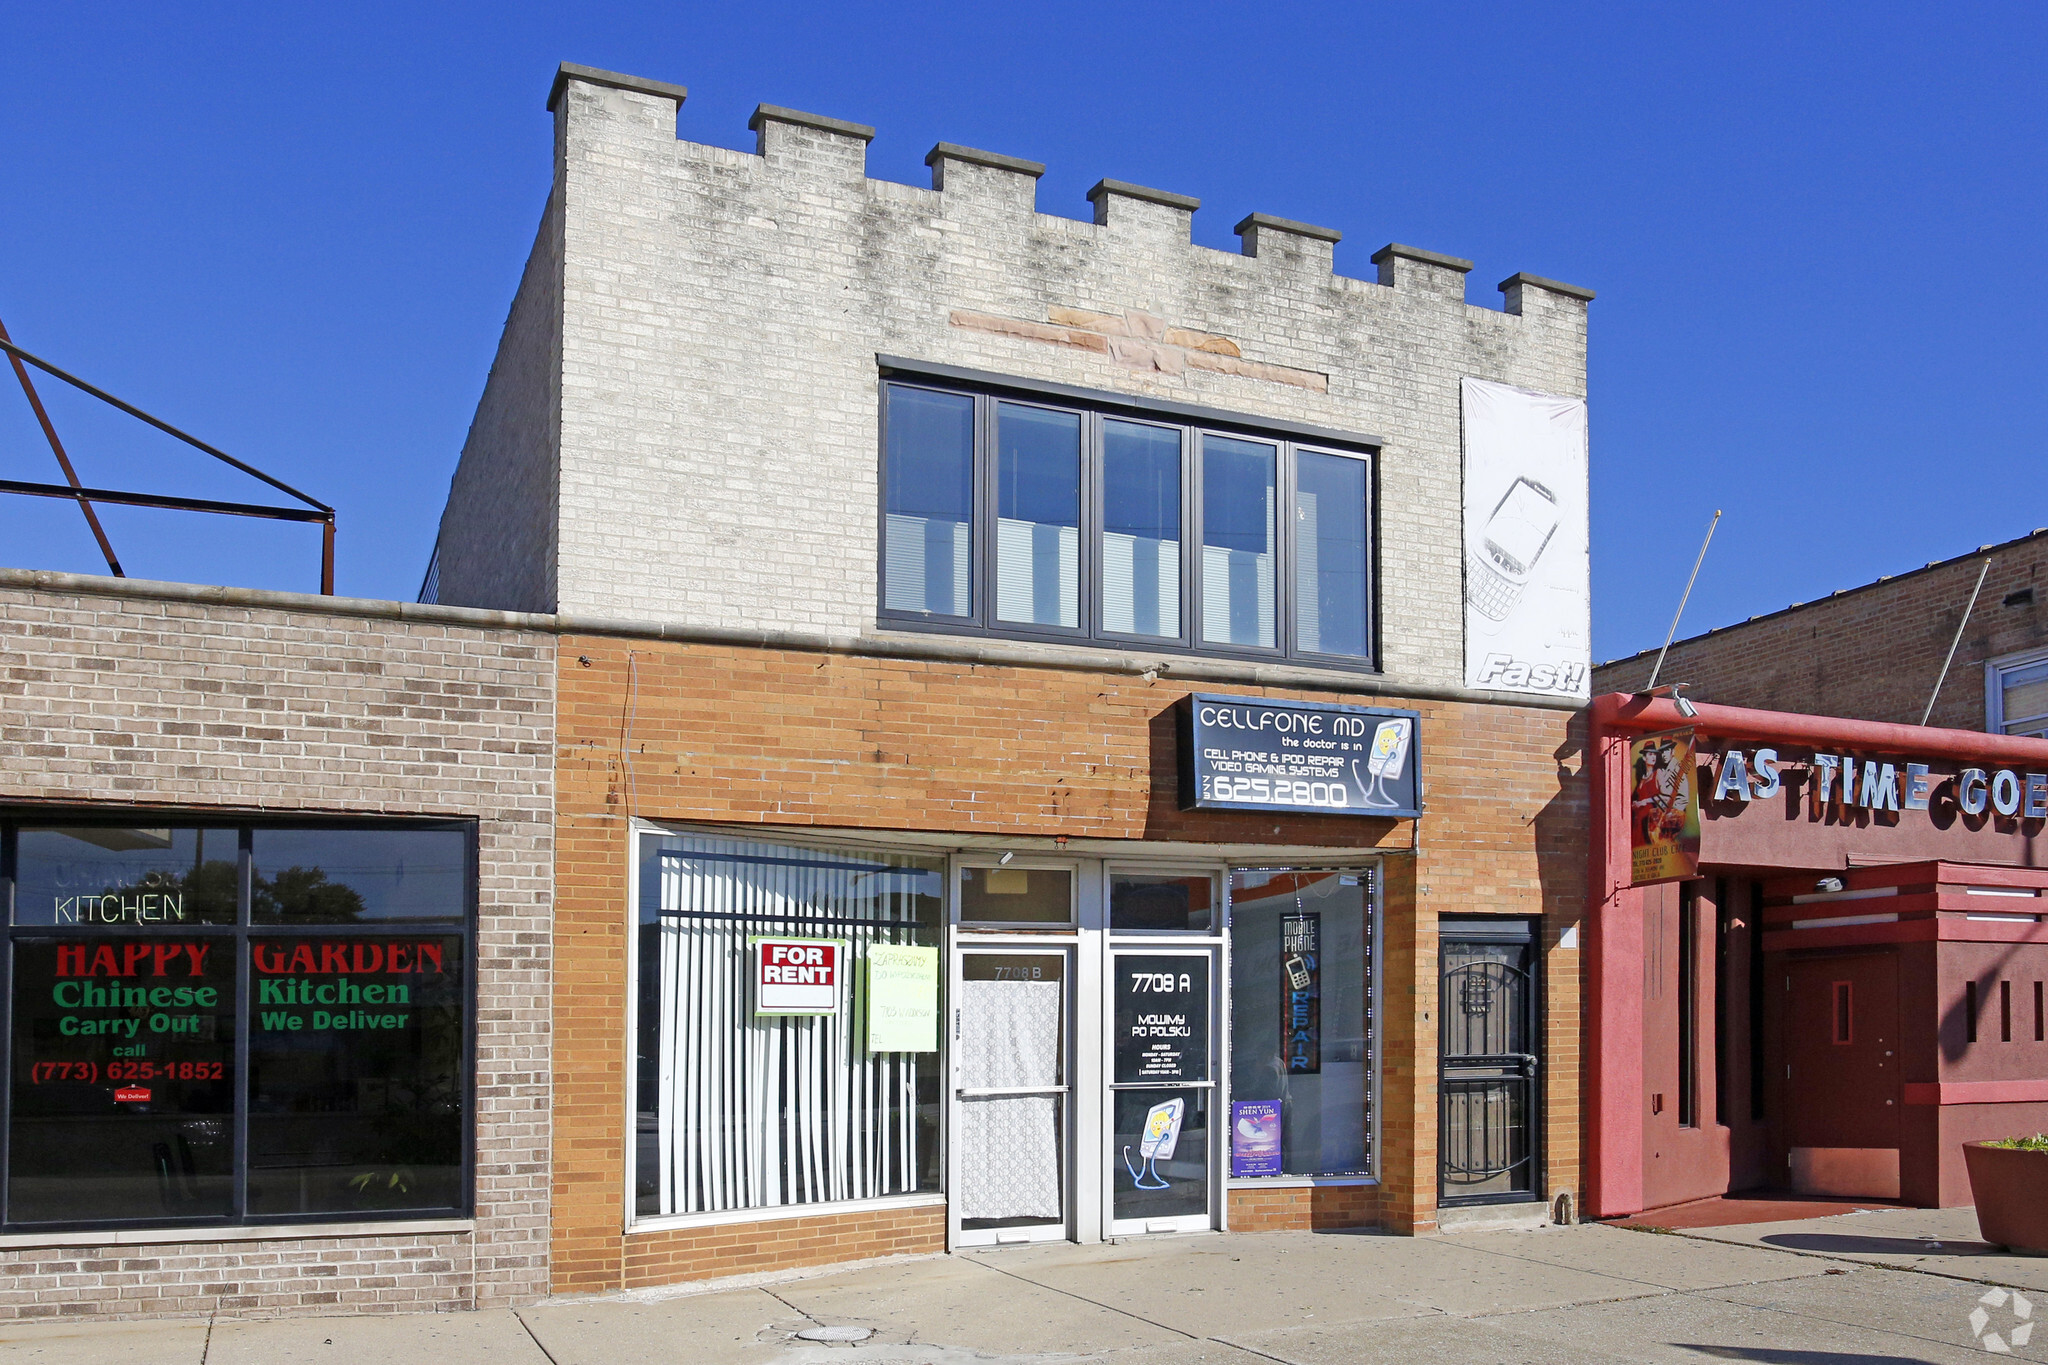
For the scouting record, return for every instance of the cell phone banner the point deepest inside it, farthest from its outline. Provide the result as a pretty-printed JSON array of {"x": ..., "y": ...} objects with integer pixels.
[
  {"x": 1320, "y": 758},
  {"x": 1301, "y": 992},
  {"x": 1663, "y": 807},
  {"x": 1254, "y": 1138},
  {"x": 1528, "y": 614}
]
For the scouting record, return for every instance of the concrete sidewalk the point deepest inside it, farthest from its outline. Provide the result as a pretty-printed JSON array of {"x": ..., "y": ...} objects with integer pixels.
[{"x": 1572, "y": 1296}]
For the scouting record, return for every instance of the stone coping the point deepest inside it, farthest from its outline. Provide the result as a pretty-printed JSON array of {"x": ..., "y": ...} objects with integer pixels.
[{"x": 570, "y": 71}]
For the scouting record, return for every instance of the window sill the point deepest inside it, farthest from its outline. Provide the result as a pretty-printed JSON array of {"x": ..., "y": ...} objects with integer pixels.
[
  {"x": 1298, "y": 1182},
  {"x": 268, "y": 1232},
  {"x": 672, "y": 1222}
]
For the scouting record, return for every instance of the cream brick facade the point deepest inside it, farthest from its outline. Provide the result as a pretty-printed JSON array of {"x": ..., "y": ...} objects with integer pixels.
[
  {"x": 117, "y": 694},
  {"x": 721, "y": 314}
]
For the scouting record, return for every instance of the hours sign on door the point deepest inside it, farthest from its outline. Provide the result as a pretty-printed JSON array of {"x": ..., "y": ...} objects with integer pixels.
[{"x": 1162, "y": 1017}]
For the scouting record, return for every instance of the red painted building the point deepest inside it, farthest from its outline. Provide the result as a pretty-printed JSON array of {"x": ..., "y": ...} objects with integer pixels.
[{"x": 1849, "y": 989}]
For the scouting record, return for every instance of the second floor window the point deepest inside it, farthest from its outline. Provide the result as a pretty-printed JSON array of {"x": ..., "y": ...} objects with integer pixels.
[{"x": 1009, "y": 516}]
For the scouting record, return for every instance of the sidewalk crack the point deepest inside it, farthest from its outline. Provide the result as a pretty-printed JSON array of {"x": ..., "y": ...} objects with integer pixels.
[{"x": 534, "y": 1337}]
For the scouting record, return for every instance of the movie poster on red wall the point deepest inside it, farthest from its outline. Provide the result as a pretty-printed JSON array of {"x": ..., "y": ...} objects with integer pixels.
[{"x": 1664, "y": 808}]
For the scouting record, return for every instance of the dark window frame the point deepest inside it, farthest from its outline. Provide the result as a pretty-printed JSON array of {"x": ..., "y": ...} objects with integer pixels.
[
  {"x": 240, "y": 933},
  {"x": 1096, "y": 409}
]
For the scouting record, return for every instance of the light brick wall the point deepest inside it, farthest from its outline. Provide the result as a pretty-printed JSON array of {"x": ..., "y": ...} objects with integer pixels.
[
  {"x": 722, "y": 313},
  {"x": 496, "y": 543},
  {"x": 774, "y": 738},
  {"x": 1868, "y": 653},
  {"x": 404, "y": 1274},
  {"x": 117, "y": 696}
]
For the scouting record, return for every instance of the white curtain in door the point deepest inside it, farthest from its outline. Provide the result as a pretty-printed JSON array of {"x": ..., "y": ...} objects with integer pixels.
[
  {"x": 755, "y": 1112},
  {"x": 1009, "y": 1144}
]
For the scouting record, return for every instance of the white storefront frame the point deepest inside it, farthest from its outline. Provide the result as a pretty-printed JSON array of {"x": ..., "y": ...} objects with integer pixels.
[{"x": 1090, "y": 940}]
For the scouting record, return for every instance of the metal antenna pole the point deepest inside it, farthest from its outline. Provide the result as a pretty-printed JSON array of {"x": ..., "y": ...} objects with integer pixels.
[
  {"x": 1981, "y": 573},
  {"x": 1671, "y": 634},
  {"x": 63, "y": 461}
]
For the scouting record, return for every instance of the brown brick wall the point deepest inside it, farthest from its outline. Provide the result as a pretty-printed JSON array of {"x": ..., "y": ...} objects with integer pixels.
[
  {"x": 1298, "y": 1206},
  {"x": 132, "y": 697},
  {"x": 763, "y": 737},
  {"x": 1870, "y": 653},
  {"x": 657, "y": 1258}
]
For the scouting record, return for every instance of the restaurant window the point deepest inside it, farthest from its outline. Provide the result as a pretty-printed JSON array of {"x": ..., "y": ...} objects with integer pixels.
[
  {"x": 2016, "y": 694},
  {"x": 1044, "y": 520},
  {"x": 237, "y": 1023},
  {"x": 1301, "y": 1022},
  {"x": 787, "y": 1030}
]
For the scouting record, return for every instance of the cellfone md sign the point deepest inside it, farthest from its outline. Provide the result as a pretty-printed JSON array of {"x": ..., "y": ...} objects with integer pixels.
[{"x": 1253, "y": 753}]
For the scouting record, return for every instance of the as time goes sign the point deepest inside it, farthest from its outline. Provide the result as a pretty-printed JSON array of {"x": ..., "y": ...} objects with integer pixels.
[{"x": 1846, "y": 782}]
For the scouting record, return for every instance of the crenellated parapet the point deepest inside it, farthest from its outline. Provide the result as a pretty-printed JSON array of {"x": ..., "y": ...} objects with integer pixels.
[
  {"x": 684, "y": 414},
  {"x": 974, "y": 181}
]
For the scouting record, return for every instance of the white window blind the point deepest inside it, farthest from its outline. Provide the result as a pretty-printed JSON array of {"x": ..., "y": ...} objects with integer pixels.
[
  {"x": 924, "y": 565},
  {"x": 762, "y": 1111}
]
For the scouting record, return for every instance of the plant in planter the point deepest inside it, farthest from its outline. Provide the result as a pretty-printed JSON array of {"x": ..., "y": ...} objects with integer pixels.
[{"x": 2009, "y": 1182}]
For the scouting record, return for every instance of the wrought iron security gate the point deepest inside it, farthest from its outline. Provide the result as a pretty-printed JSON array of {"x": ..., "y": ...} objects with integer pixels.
[{"x": 1487, "y": 1093}]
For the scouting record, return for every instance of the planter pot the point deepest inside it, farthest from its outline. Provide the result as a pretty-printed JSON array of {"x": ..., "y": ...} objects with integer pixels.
[{"x": 2010, "y": 1187}]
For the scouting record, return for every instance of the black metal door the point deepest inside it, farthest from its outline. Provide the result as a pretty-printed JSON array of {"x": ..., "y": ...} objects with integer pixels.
[{"x": 1487, "y": 1095}]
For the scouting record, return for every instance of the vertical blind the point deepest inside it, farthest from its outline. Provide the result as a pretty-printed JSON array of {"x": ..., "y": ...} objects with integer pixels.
[{"x": 760, "y": 1111}]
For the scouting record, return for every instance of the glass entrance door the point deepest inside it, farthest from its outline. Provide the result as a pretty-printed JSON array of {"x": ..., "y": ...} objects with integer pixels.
[
  {"x": 1012, "y": 1098},
  {"x": 1162, "y": 1089}
]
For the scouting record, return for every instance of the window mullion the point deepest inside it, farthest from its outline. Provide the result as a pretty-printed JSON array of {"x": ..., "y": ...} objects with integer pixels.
[
  {"x": 1192, "y": 540},
  {"x": 238, "y": 1198},
  {"x": 1283, "y": 549},
  {"x": 1090, "y": 591},
  {"x": 987, "y": 492}
]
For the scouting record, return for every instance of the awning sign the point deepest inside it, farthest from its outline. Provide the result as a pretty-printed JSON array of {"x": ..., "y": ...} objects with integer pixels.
[{"x": 798, "y": 975}]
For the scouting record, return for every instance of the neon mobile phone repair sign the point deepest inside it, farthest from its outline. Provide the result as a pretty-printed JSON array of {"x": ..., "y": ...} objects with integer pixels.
[
  {"x": 1253, "y": 753},
  {"x": 799, "y": 975}
]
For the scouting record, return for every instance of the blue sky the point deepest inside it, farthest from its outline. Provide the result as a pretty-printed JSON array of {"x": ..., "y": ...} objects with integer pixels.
[{"x": 295, "y": 230}]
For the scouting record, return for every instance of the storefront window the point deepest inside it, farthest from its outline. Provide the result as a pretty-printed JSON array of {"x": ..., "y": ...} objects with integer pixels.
[
  {"x": 1301, "y": 1060},
  {"x": 355, "y": 1066},
  {"x": 86, "y": 876},
  {"x": 788, "y": 1025},
  {"x": 155, "y": 1032}
]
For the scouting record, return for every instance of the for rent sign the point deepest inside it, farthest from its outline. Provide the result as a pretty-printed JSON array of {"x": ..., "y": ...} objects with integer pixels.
[{"x": 798, "y": 975}]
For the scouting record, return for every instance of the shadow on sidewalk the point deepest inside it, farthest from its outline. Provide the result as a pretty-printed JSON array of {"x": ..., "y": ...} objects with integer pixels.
[
  {"x": 1843, "y": 1244},
  {"x": 1778, "y": 1357}
]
